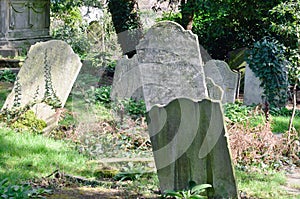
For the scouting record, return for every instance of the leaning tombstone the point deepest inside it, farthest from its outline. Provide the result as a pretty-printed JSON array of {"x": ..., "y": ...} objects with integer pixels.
[
  {"x": 223, "y": 76},
  {"x": 252, "y": 90},
  {"x": 188, "y": 136},
  {"x": 189, "y": 142},
  {"x": 46, "y": 79}
]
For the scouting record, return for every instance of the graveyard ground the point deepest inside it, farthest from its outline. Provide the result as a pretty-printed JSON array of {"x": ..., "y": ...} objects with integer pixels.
[{"x": 73, "y": 162}]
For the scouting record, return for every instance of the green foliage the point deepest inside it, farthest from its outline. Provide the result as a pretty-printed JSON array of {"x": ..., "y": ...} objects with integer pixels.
[
  {"x": 50, "y": 96},
  {"x": 7, "y": 76},
  {"x": 22, "y": 191},
  {"x": 223, "y": 26},
  {"x": 283, "y": 112},
  {"x": 266, "y": 59},
  {"x": 102, "y": 94},
  {"x": 126, "y": 21},
  {"x": 194, "y": 192},
  {"x": 285, "y": 20},
  {"x": 136, "y": 108},
  {"x": 69, "y": 26},
  {"x": 29, "y": 122},
  {"x": 236, "y": 112}
]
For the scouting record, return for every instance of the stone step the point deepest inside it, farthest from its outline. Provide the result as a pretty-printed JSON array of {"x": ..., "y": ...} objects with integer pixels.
[
  {"x": 14, "y": 70},
  {"x": 4, "y": 43},
  {"x": 10, "y": 63},
  {"x": 8, "y": 52}
]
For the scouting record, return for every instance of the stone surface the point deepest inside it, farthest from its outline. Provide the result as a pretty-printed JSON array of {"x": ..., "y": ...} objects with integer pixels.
[
  {"x": 162, "y": 71},
  {"x": 127, "y": 79},
  {"x": 223, "y": 76},
  {"x": 189, "y": 142},
  {"x": 65, "y": 66},
  {"x": 252, "y": 90},
  {"x": 23, "y": 22},
  {"x": 170, "y": 65},
  {"x": 215, "y": 92}
]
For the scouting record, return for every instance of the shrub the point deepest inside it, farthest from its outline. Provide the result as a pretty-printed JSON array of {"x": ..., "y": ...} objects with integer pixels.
[
  {"x": 267, "y": 60},
  {"x": 7, "y": 76},
  {"x": 236, "y": 112},
  {"x": 29, "y": 122},
  {"x": 136, "y": 108},
  {"x": 102, "y": 94},
  {"x": 23, "y": 191}
]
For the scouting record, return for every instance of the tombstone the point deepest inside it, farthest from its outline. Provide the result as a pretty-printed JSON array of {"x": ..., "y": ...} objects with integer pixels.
[
  {"x": 215, "y": 92},
  {"x": 127, "y": 81},
  {"x": 186, "y": 127},
  {"x": 23, "y": 23},
  {"x": 189, "y": 142},
  {"x": 55, "y": 58},
  {"x": 252, "y": 90},
  {"x": 157, "y": 65},
  {"x": 204, "y": 55},
  {"x": 223, "y": 76}
]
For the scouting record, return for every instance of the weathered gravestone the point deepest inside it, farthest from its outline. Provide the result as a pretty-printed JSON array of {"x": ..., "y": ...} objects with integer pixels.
[
  {"x": 252, "y": 90},
  {"x": 127, "y": 81},
  {"x": 162, "y": 66},
  {"x": 51, "y": 64},
  {"x": 215, "y": 92},
  {"x": 188, "y": 136},
  {"x": 223, "y": 76},
  {"x": 189, "y": 142}
]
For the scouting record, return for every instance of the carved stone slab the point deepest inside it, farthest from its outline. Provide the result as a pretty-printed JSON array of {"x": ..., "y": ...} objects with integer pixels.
[
  {"x": 65, "y": 66},
  {"x": 189, "y": 142},
  {"x": 167, "y": 66},
  {"x": 170, "y": 64},
  {"x": 223, "y": 76}
]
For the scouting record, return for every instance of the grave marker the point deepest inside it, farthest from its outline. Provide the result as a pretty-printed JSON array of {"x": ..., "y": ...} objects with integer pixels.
[
  {"x": 223, "y": 76},
  {"x": 186, "y": 128},
  {"x": 63, "y": 67}
]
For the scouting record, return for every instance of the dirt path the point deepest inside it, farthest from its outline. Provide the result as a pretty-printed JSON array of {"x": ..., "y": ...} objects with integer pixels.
[
  {"x": 96, "y": 193},
  {"x": 293, "y": 183}
]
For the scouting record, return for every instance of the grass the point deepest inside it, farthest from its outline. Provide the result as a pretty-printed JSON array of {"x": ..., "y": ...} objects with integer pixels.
[
  {"x": 280, "y": 124},
  {"x": 5, "y": 89},
  {"x": 260, "y": 185},
  {"x": 25, "y": 156}
]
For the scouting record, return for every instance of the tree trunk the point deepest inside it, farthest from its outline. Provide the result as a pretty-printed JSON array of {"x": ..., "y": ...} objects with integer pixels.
[
  {"x": 187, "y": 13},
  {"x": 127, "y": 23},
  {"x": 294, "y": 111}
]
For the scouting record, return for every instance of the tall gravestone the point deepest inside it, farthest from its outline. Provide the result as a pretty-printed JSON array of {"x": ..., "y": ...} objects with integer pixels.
[
  {"x": 186, "y": 128},
  {"x": 252, "y": 90},
  {"x": 223, "y": 76},
  {"x": 159, "y": 63},
  {"x": 22, "y": 22},
  {"x": 56, "y": 61},
  {"x": 189, "y": 142}
]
